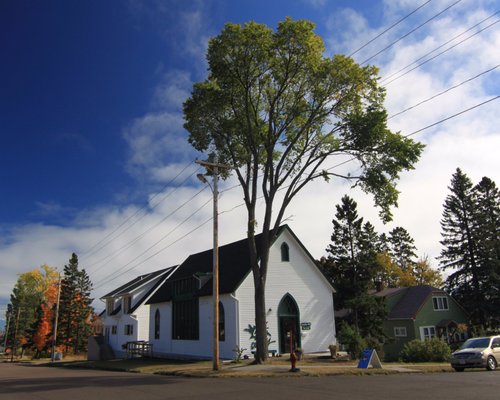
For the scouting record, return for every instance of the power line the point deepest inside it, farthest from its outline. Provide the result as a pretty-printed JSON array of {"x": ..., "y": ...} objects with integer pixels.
[
  {"x": 151, "y": 228},
  {"x": 409, "y": 33},
  {"x": 444, "y": 91},
  {"x": 452, "y": 116},
  {"x": 89, "y": 252},
  {"x": 389, "y": 28},
  {"x": 441, "y": 53},
  {"x": 437, "y": 48},
  {"x": 161, "y": 250}
]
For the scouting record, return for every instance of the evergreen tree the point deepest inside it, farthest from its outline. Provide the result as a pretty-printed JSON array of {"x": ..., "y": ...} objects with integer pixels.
[
  {"x": 402, "y": 249},
  {"x": 75, "y": 307},
  {"x": 352, "y": 267},
  {"x": 487, "y": 200},
  {"x": 460, "y": 247}
]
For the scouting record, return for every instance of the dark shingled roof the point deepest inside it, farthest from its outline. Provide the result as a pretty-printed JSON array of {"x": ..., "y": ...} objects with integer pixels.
[
  {"x": 234, "y": 265},
  {"x": 136, "y": 282},
  {"x": 412, "y": 301}
]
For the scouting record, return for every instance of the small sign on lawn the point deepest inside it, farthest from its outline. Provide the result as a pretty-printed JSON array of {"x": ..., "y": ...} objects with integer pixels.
[{"x": 369, "y": 358}]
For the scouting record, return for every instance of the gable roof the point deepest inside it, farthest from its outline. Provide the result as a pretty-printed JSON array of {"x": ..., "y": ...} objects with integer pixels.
[
  {"x": 412, "y": 300},
  {"x": 234, "y": 266},
  {"x": 136, "y": 283}
]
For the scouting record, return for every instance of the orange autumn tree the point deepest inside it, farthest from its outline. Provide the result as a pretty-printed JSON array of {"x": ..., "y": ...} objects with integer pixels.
[
  {"x": 43, "y": 335},
  {"x": 27, "y": 296}
]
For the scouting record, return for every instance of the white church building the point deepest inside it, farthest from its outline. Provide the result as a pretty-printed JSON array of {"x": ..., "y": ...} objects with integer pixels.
[{"x": 172, "y": 309}]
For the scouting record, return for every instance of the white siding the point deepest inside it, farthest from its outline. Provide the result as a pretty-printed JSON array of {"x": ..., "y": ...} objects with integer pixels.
[
  {"x": 300, "y": 278},
  {"x": 202, "y": 348}
]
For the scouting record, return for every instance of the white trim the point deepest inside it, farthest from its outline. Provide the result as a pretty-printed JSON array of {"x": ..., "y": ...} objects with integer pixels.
[
  {"x": 431, "y": 332},
  {"x": 438, "y": 303}
]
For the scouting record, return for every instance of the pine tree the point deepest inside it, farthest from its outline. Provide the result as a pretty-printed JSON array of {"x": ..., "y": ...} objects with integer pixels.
[
  {"x": 460, "y": 247},
  {"x": 487, "y": 199},
  {"x": 352, "y": 267},
  {"x": 402, "y": 249},
  {"x": 75, "y": 306}
]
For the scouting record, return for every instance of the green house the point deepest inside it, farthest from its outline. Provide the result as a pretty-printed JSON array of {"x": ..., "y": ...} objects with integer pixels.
[{"x": 420, "y": 312}]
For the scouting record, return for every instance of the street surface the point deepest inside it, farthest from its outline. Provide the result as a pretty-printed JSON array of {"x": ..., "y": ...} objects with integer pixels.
[{"x": 28, "y": 382}]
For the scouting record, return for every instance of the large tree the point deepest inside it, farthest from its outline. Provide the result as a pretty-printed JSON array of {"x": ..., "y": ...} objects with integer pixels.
[
  {"x": 29, "y": 292},
  {"x": 487, "y": 200},
  {"x": 75, "y": 307},
  {"x": 352, "y": 266},
  {"x": 460, "y": 247},
  {"x": 274, "y": 109},
  {"x": 402, "y": 249}
]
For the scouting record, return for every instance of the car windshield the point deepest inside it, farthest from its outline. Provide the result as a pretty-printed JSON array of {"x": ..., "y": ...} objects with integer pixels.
[{"x": 476, "y": 343}]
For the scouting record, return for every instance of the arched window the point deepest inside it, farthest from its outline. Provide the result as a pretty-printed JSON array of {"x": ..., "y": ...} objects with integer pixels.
[
  {"x": 157, "y": 324},
  {"x": 285, "y": 252},
  {"x": 222, "y": 323},
  {"x": 288, "y": 324}
]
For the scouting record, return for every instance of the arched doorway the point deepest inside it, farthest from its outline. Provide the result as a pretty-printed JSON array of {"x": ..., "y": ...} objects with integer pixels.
[{"x": 288, "y": 323}]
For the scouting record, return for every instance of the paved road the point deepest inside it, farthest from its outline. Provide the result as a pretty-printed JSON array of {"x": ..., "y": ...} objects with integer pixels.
[{"x": 22, "y": 382}]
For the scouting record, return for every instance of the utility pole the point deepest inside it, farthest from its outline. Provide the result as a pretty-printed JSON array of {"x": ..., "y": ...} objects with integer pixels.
[
  {"x": 214, "y": 168},
  {"x": 56, "y": 320}
]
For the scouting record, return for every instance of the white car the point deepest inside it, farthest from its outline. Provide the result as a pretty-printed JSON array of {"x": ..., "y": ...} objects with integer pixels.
[{"x": 481, "y": 352}]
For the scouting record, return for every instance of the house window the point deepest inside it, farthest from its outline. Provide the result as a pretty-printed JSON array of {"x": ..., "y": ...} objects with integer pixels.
[
  {"x": 427, "y": 332},
  {"x": 222, "y": 323},
  {"x": 157, "y": 324},
  {"x": 127, "y": 304},
  {"x": 440, "y": 303},
  {"x": 185, "y": 320},
  {"x": 129, "y": 330},
  {"x": 109, "y": 306},
  {"x": 285, "y": 252},
  {"x": 400, "y": 331},
  {"x": 113, "y": 329}
]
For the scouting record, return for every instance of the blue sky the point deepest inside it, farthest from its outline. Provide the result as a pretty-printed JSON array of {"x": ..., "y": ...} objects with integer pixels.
[{"x": 91, "y": 124}]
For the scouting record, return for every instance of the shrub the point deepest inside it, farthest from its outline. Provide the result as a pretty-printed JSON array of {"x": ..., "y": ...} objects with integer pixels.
[
  {"x": 351, "y": 339},
  {"x": 428, "y": 350}
]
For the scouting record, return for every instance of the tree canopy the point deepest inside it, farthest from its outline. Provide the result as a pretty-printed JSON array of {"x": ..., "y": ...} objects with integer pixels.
[
  {"x": 274, "y": 108},
  {"x": 470, "y": 230}
]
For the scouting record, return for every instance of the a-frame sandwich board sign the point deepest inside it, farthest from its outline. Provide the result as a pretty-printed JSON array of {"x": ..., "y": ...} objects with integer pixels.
[{"x": 369, "y": 358}]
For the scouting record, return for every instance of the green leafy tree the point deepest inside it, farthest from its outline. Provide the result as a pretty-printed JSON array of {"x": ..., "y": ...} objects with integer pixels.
[
  {"x": 426, "y": 275},
  {"x": 274, "y": 109},
  {"x": 75, "y": 307}
]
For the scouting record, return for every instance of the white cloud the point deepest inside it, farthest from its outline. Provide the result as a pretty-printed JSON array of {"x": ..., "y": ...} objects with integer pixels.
[{"x": 159, "y": 151}]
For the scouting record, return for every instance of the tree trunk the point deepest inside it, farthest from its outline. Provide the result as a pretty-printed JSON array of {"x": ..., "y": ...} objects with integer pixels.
[
  {"x": 261, "y": 352},
  {"x": 259, "y": 270}
]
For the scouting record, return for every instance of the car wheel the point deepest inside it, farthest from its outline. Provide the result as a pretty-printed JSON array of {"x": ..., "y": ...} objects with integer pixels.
[
  {"x": 491, "y": 364},
  {"x": 459, "y": 369}
]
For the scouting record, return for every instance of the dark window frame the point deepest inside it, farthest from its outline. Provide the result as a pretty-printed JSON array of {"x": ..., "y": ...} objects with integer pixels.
[
  {"x": 285, "y": 252},
  {"x": 157, "y": 324},
  {"x": 185, "y": 319},
  {"x": 222, "y": 323}
]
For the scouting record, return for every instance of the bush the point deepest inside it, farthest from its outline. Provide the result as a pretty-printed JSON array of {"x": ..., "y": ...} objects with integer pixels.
[
  {"x": 351, "y": 339},
  {"x": 428, "y": 350}
]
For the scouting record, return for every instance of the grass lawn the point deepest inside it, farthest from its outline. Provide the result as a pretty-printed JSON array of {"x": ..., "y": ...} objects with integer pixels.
[{"x": 279, "y": 366}]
